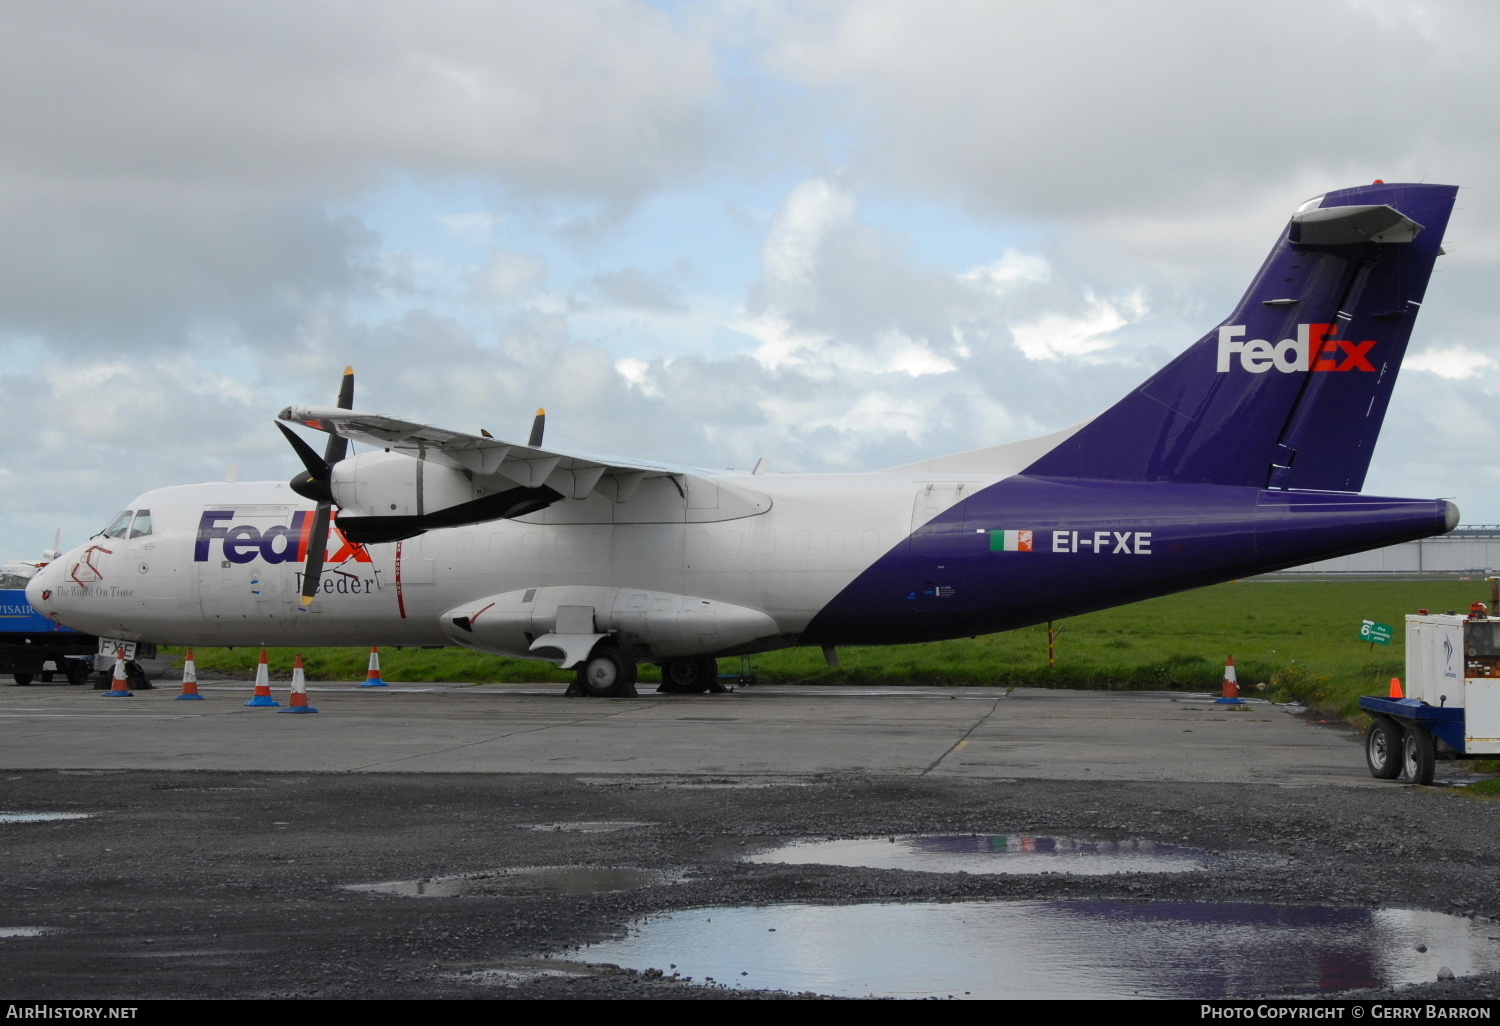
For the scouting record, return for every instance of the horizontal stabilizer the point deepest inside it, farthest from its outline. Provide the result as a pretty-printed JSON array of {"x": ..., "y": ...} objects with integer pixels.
[{"x": 1350, "y": 226}]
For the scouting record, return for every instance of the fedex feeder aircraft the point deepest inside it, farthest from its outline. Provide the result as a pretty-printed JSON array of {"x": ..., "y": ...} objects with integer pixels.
[{"x": 1243, "y": 455}]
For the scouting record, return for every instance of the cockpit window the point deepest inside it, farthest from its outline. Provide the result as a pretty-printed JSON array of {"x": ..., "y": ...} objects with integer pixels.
[
  {"x": 1312, "y": 204},
  {"x": 120, "y": 526},
  {"x": 142, "y": 525}
]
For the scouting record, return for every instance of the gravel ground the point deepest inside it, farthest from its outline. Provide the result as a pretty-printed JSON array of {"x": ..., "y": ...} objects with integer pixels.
[{"x": 228, "y": 885}]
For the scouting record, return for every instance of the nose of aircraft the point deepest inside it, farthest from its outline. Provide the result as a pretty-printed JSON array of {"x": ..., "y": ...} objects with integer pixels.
[{"x": 42, "y": 590}]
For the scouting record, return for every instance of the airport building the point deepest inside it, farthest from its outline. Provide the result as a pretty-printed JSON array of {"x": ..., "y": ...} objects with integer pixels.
[{"x": 1468, "y": 550}]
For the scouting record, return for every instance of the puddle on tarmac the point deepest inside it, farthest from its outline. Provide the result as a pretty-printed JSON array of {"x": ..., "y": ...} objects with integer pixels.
[
  {"x": 1055, "y": 949},
  {"x": 521, "y": 883},
  {"x": 1012, "y": 853},
  {"x": 23, "y": 931},
  {"x": 603, "y": 826},
  {"x": 40, "y": 817}
]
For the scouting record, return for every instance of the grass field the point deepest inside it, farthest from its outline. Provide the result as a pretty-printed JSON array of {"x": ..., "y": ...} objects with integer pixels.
[{"x": 1298, "y": 638}]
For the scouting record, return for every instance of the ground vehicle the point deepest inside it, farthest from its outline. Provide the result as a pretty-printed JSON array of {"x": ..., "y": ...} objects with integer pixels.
[
  {"x": 1452, "y": 701},
  {"x": 29, "y": 642}
]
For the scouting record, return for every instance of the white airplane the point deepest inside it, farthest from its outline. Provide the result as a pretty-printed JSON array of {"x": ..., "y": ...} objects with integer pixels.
[{"x": 1243, "y": 455}]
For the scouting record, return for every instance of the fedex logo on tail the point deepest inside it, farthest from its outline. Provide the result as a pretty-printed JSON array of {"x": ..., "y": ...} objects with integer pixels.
[
  {"x": 1312, "y": 350},
  {"x": 244, "y": 542}
]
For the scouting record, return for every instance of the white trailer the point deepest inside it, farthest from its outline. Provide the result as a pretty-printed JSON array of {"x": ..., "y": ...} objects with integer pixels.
[{"x": 1452, "y": 701}]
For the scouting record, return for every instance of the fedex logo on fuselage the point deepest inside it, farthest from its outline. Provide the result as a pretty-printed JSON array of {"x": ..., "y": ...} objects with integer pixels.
[
  {"x": 1312, "y": 350},
  {"x": 280, "y": 544}
]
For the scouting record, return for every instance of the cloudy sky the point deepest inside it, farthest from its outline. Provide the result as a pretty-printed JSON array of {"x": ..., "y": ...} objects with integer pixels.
[{"x": 838, "y": 235}]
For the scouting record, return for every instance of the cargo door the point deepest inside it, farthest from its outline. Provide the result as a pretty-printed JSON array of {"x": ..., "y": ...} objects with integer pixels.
[{"x": 934, "y": 548}]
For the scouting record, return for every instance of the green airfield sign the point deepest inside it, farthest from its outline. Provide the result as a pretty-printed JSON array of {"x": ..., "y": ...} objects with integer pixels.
[{"x": 1376, "y": 633}]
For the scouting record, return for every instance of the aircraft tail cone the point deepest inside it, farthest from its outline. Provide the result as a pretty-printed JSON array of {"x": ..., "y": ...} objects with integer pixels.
[
  {"x": 372, "y": 677},
  {"x": 120, "y": 687},
  {"x": 189, "y": 679},
  {"x": 1231, "y": 686},
  {"x": 1396, "y": 691},
  {"x": 299, "y": 691},
  {"x": 262, "y": 695}
]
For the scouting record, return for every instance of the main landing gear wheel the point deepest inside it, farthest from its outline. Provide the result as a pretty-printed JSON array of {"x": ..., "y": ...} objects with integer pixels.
[
  {"x": 23, "y": 679},
  {"x": 1418, "y": 756},
  {"x": 689, "y": 676},
  {"x": 1383, "y": 748},
  {"x": 607, "y": 673}
]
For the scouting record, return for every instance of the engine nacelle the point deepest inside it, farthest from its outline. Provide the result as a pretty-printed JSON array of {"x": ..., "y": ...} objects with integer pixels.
[
  {"x": 388, "y": 484},
  {"x": 647, "y": 624}
]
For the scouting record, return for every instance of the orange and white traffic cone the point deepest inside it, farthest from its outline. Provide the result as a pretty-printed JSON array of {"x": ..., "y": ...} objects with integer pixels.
[
  {"x": 299, "y": 691},
  {"x": 189, "y": 679},
  {"x": 372, "y": 676},
  {"x": 1396, "y": 691},
  {"x": 1231, "y": 686},
  {"x": 262, "y": 696},
  {"x": 120, "y": 687}
]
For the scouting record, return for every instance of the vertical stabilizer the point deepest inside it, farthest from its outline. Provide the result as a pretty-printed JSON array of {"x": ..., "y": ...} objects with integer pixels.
[{"x": 1289, "y": 391}]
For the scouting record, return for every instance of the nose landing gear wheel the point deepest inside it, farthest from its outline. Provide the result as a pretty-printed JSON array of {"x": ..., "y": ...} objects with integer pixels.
[
  {"x": 137, "y": 677},
  {"x": 1418, "y": 756},
  {"x": 1383, "y": 748},
  {"x": 607, "y": 673}
]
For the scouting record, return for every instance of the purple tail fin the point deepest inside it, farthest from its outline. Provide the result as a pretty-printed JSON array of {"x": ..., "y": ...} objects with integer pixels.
[{"x": 1291, "y": 390}]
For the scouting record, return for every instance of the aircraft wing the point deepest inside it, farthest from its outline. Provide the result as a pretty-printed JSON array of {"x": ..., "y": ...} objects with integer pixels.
[{"x": 525, "y": 465}]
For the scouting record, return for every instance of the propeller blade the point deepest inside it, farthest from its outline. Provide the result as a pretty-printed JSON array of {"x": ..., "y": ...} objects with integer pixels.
[
  {"x": 338, "y": 446},
  {"x": 537, "y": 427},
  {"x": 314, "y": 483},
  {"x": 317, "y": 551}
]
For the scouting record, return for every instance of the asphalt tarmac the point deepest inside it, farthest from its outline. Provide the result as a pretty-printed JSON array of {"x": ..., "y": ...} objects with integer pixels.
[{"x": 222, "y": 840}]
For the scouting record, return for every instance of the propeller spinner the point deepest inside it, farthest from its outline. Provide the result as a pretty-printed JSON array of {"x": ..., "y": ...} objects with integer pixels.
[{"x": 315, "y": 484}]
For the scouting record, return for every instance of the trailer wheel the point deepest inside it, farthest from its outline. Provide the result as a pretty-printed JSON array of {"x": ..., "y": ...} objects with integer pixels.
[
  {"x": 79, "y": 671},
  {"x": 1418, "y": 756},
  {"x": 1383, "y": 748},
  {"x": 23, "y": 679}
]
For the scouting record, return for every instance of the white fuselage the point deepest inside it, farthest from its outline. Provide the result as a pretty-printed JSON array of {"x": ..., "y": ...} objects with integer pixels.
[{"x": 220, "y": 565}]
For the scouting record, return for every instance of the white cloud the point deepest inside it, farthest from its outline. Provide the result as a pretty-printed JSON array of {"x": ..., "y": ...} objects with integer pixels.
[
  {"x": 811, "y": 210},
  {"x": 1455, "y": 363},
  {"x": 1058, "y": 336},
  {"x": 639, "y": 374},
  {"x": 509, "y": 277},
  {"x": 1012, "y": 271},
  {"x": 780, "y": 343}
]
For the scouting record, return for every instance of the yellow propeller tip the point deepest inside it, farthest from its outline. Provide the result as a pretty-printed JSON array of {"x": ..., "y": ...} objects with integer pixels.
[
  {"x": 541, "y": 411},
  {"x": 348, "y": 371},
  {"x": 307, "y": 600}
]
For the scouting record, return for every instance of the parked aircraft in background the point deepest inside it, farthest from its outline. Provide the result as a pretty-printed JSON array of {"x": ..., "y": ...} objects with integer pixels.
[{"x": 1243, "y": 455}]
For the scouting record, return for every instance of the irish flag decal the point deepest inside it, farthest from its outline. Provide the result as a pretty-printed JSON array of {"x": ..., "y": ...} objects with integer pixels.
[{"x": 1010, "y": 541}]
